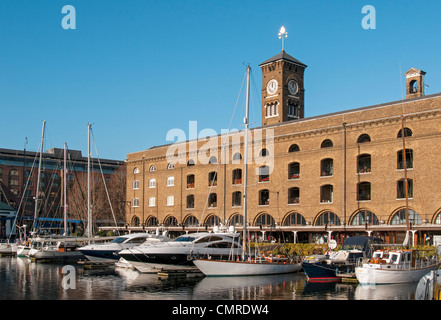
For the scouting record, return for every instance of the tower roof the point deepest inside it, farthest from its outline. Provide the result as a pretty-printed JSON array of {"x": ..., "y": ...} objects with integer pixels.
[{"x": 283, "y": 56}]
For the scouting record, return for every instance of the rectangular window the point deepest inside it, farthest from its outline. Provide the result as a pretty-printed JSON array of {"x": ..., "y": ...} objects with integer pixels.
[
  {"x": 170, "y": 201},
  {"x": 152, "y": 201},
  {"x": 170, "y": 181}
]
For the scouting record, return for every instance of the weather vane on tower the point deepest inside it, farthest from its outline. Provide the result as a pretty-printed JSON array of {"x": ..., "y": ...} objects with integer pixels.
[{"x": 282, "y": 35}]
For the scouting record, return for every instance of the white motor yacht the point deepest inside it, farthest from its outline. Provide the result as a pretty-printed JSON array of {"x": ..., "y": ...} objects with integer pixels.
[
  {"x": 105, "y": 252},
  {"x": 180, "y": 252}
]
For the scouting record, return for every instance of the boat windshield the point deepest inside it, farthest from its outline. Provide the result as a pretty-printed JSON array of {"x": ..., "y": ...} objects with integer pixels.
[
  {"x": 185, "y": 238},
  {"x": 119, "y": 240}
]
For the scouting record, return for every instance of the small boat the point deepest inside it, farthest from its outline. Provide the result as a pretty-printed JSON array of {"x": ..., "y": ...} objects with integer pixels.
[
  {"x": 395, "y": 266},
  {"x": 331, "y": 267},
  {"x": 8, "y": 249},
  {"x": 54, "y": 250},
  {"x": 250, "y": 267},
  {"x": 246, "y": 266},
  {"x": 179, "y": 253},
  {"x": 109, "y": 251}
]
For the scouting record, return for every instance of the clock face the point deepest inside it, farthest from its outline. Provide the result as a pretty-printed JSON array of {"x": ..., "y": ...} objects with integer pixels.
[
  {"x": 272, "y": 86},
  {"x": 293, "y": 87}
]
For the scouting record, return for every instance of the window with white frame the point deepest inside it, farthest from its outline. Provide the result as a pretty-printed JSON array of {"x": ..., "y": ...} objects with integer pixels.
[
  {"x": 152, "y": 201},
  {"x": 170, "y": 181},
  {"x": 152, "y": 183},
  {"x": 170, "y": 200},
  {"x": 135, "y": 202},
  {"x": 136, "y": 184}
]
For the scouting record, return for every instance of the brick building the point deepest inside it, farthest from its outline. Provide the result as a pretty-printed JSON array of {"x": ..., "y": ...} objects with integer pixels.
[
  {"x": 18, "y": 169},
  {"x": 329, "y": 175}
]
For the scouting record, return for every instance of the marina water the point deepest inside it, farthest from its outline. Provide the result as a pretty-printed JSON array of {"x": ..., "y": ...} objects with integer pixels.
[{"x": 22, "y": 279}]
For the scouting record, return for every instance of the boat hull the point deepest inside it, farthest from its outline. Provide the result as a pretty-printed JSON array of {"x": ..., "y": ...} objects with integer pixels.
[
  {"x": 240, "y": 268},
  {"x": 370, "y": 274},
  {"x": 57, "y": 256},
  {"x": 320, "y": 272}
]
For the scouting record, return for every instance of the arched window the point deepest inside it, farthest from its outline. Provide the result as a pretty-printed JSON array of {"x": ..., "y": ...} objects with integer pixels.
[
  {"x": 264, "y": 152},
  {"x": 327, "y": 144},
  {"x": 293, "y": 148},
  {"x": 190, "y": 201},
  {"x": 135, "y": 203},
  {"x": 413, "y": 86},
  {"x": 407, "y": 133},
  {"x": 152, "y": 183},
  {"x": 135, "y": 221},
  {"x": 191, "y": 221},
  {"x": 364, "y": 138},
  {"x": 237, "y": 157},
  {"x": 151, "y": 222},
  {"x": 294, "y": 219},
  {"x": 152, "y": 168},
  {"x": 364, "y": 217},
  {"x": 190, "y": 163},
  {"x": 326, "y": 193},
  {"x": 364, "y": 191},
  {"x": 294, "y": 170},
  {"x": 171, "y": 221},
  {"x": 265, "y": 220},
  {"x": 328, "y": 218},
  {"x": 327, "y": 167},
  {"x": 236, "y": 199},
  {"x": 293, "y": 195},
  {"x": 136, "y": 184},
  {"x": 135, "y": 171},
  {"x": 264, "y": 197},
  {"x": 236, "y": 220},
  {"x": 213, "y": 220},
  {"x": 212, "y": 160},
  {"x": 400, "y": 217},
  {"x": 170, "y": 166}
]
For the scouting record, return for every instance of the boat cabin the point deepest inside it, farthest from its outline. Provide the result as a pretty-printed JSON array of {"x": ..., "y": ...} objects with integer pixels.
[{"x": 392, "y": 257}]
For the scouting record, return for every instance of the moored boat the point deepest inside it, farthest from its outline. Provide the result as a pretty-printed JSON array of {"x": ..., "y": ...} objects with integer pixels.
[
  {"x": 395, "y": 266},
  {"x": 179, "y": 253},
  {"x": 330, "y": 267},
  {"x": 109, "y": 251}
]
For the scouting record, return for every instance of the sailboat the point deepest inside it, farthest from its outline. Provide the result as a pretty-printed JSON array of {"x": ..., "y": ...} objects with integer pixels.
[
  {"x": 55, "y": 249},
  {"x": 247, "y": 266},
  {"x": 397, "y": 266}
]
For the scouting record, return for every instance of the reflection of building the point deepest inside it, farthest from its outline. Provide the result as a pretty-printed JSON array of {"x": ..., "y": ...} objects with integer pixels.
[
  {"x": 336, "y": 172},
  {"x": 20, "y": 167}
]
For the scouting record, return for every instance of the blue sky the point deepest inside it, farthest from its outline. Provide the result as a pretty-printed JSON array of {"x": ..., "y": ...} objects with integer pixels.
[{"x": 137, "y": 68}]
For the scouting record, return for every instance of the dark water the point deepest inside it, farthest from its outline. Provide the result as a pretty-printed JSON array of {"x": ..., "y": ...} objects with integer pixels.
[{"x": 21, "y": 279}]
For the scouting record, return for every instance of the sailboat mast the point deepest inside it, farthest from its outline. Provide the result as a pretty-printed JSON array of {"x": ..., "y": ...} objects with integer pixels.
[
  {"x": 37, "y": 193},
  {"x": 245, "y": 196},
  {"x": 89, "y": 218},
  {"x": 406, "y": 184},
  {"x": 65, "y": 192}
]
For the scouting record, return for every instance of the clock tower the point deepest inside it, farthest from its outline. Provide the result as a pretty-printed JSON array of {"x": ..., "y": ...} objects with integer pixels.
[{"x": 282, "y": 89}]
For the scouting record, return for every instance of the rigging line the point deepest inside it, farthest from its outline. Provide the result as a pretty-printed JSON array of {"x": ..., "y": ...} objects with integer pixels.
[
  {"x": 24, "y": 191},
  {"x": 104, "y": 180},
  {"x": 218, "y": 162}
]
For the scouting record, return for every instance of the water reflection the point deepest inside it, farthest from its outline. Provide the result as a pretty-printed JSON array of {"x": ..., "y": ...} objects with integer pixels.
[{"x": 22, "y": 279}]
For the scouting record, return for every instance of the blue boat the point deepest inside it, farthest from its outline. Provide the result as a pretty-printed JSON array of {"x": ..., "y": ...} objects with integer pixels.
[{"x": 331, "y": 267}]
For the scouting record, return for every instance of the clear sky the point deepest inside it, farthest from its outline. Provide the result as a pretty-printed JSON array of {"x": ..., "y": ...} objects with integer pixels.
[{"x": 136, "y": 69}]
